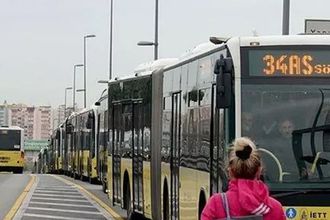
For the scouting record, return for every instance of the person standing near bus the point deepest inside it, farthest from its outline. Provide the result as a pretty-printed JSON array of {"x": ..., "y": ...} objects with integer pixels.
[{"x": 247, "y": 194}]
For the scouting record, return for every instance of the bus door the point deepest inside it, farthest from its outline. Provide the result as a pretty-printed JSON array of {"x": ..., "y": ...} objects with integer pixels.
[
  {"x": 217, "y": 176},
  {"x": 138, "y": 122},
  {"x": 175, "y": 153},
  {"x": 116, "y": 162}
]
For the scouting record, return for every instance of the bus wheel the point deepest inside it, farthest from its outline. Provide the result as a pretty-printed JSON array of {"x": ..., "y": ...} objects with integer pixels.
[
  {"x": 92, "y": 180},
  {"x": 166, "y": 212},
  {"x": 128, "y": 202},
  {"x": 75, "y": 176},
  {"x": 104, "y": 187},
  {"x": 18, "y": 170},
  {"x": 202, "y": 202}
]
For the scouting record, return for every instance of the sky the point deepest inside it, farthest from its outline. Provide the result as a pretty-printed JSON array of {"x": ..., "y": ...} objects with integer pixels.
[{"x": 41, "y": 40}]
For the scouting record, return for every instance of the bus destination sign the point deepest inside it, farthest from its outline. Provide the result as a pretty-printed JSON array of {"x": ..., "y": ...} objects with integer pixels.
[{"x": 289, "y": 63}]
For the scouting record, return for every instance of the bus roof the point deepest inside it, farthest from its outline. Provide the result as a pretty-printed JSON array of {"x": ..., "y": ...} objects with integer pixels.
[
  {"x": 84, "y": 110},
  {"x": 233, "y": 42},
  {"x": 11, "y": 128},
  {"x": 282, "y": 40}
]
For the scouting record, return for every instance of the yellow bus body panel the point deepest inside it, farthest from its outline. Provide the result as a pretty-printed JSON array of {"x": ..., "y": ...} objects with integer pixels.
[
  {"x": 58, "y": 164},
  {"x": 147, "y": 189},
  {"x": 84, "y": 157},
  {"x": 109, "y": 178},
  {"x": 192, "y": 182},
  {"x": 93, "y": 173},
  {"x": 307, "y": 213},
  {"x": 11, "y": 159},
  {"x": 76, "y": 162}
]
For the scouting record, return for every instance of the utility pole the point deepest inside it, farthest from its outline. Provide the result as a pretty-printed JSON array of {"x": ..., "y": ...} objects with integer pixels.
[{"x": 286, "y": 17}]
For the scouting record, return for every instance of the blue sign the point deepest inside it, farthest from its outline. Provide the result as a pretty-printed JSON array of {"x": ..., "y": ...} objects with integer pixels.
[{"x": 291, "y": 213}]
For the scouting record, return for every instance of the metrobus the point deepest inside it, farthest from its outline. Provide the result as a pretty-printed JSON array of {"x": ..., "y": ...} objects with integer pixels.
[
  {"x": 69, "y": 145},
  {"x": 170, "y": 128},
  {"x": 56, "y": 150},
  {"x": 43, "y": 161},
  {"x": 102, "y": 140},
  {"x": 11, "y": 149},
  {"x": 84, "y": 144}
]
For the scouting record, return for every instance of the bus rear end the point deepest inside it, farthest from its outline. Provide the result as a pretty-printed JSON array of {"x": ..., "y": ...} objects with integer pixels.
[{"x": 11, "y": 150}]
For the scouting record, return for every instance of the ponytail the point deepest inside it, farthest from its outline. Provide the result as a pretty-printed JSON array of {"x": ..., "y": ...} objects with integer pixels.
[{"x": 244, "y": 161}]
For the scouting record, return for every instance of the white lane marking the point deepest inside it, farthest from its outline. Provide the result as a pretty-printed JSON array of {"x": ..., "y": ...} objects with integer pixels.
[
  {"x": 59, "y": 199},
  {"x": 105, "y": 212},
  {"x": 54, "y": 217},
  {"x": 56, "y": 188},
  {"x": 64, "y": 210},
  {"x": 52, "y": 195},
  {"x": 61, "y": 204},
  {"x": 57, "y": 192}
]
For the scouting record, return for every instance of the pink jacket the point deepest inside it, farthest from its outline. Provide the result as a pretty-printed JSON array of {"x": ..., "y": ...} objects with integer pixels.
[{"x": 245, "y": 197}]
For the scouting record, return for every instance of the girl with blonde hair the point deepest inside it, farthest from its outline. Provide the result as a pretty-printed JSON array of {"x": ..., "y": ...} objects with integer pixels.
[{"x": 247, "y": 194}]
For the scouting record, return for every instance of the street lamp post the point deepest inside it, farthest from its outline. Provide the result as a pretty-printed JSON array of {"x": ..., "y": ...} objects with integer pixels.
[
  {"x": 80, "y": 90},
  {"x": 286, "y": 17},
  {"x": 111, "y": 33},
  {"x": 85, "y": 37},
  {"x": 66, "y": 89},
  {"x": 74, "y": 85},
  {"x": 155, "y": 43}
]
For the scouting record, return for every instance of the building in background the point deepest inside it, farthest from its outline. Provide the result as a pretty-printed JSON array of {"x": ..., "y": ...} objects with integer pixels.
[
  {"x": 58, "y": 116},
  {"x": 4, "y": 114},
  {"x": 42, "y": 128},
  {"x": 36, "y": 121}
]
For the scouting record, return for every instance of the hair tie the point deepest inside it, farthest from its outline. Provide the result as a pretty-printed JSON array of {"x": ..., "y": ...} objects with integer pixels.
[{"x": 245, "y": 153}]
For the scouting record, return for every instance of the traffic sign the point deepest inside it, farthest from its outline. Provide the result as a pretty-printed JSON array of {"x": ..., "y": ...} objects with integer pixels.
[{"x": 317, "y": 26}]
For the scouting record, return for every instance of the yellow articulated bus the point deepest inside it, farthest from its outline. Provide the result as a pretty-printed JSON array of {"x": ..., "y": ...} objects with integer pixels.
[
  {"x": 11, "y": 149},
  {"x": 84, "y": 141},
  {"x": 169, "y": 128},
  {"x": 56, "y": 151},
  {"x": 68, "y": 145},
  {"x": 43, "y": 161},
  {"x": 102, "y": 140}
]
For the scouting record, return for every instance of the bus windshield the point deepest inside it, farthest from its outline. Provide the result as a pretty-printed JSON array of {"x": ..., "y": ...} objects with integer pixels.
[
  {"x": 291, "y": 125},
  {"x": 10, "y": 139}
]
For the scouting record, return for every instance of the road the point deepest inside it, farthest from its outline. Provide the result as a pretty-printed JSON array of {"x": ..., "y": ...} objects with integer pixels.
[
  {"x": 46, "y": 197},
  {"x": 11, "y": 186}
]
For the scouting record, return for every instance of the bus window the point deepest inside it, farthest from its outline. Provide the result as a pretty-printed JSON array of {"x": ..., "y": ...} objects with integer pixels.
[{"x": 10, "y": 140}]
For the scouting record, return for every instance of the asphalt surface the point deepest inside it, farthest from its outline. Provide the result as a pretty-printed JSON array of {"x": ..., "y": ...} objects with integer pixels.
[
  {"x": 51, "y": 198},
  {"x": 11, "y": 187}
]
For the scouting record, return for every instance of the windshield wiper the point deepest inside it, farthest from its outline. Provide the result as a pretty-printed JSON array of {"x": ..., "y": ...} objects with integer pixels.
[
  {"x": 310, "y": 159},
  {"x": 281, "y": 195}
]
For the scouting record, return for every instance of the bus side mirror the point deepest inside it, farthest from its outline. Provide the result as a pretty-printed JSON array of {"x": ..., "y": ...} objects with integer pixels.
[
  {"x": 69, "y": 128},
  {"x": 89, "y": 123},
  {"x": 223, "y": 70}
]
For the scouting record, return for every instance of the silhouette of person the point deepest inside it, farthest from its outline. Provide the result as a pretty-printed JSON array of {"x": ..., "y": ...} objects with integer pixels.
[
  {"x": 286, "y": 128},
  {"x": 247, "y": 123}
]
